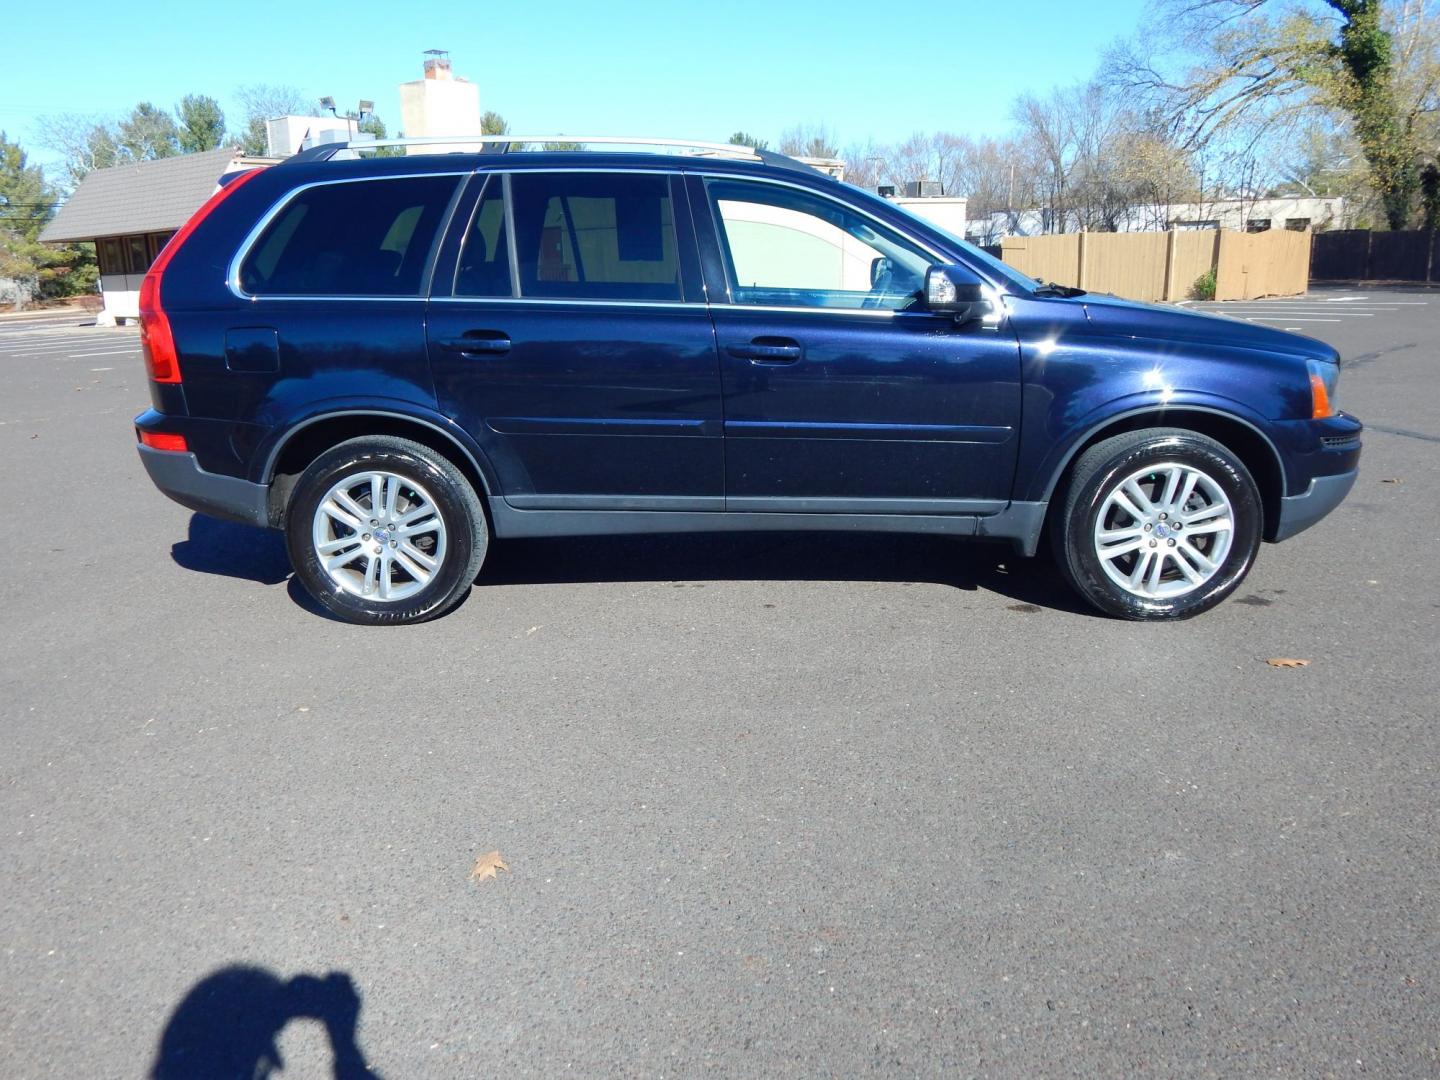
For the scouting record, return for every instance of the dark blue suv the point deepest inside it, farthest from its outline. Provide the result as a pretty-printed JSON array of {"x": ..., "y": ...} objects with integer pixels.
[{"x": 395, "y": 359}]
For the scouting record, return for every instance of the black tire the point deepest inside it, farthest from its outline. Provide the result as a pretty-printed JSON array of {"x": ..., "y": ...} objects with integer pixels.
[
  {"x": 466, "y": 533},
  {"x": 1104, "y": 467}
]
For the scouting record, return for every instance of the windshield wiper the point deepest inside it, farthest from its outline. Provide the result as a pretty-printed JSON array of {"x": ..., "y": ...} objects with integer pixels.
[{"x": 1049, "y": 288}]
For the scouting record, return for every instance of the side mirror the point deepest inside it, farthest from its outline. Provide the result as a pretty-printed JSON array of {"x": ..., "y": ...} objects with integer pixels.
[{"x": 951, "y": 290}]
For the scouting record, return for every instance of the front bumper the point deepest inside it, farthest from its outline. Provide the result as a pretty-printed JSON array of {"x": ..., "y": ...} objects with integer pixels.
[
  {"x": 1299, "y": 512},
  {"x": 179, "y": 476}
]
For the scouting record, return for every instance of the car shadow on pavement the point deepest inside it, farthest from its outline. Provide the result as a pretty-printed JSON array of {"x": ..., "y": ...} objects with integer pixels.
[
  {"x": 805, "y": 556},
  {"x": 229, "y": 1024},
  {"x": 233, "y": 550},
  {"x": 252, "y": 554}
]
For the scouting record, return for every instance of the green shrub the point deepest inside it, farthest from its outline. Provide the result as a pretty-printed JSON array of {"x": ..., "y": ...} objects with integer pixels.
[{"x": 1204, "y": 287}]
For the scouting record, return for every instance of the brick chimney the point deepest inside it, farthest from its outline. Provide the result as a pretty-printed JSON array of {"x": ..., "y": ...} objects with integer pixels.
[
  {"x": 437, "y": 64},
  {"x": 440, "y": 104}
]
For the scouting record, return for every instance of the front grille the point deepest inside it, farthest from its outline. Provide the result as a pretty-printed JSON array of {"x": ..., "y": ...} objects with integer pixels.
[{"x": 1340, "y": 442}]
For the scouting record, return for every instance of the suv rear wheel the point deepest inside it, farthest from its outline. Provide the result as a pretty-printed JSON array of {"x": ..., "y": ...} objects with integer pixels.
[
  {"x": 1158, "y": 524},
  {"x": 384, "y": 530}
]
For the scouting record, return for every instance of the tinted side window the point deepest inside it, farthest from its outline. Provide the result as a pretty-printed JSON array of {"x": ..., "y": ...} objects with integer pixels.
[
  {"x": 357, "y": 238},
  {"x": 789, "y": 248},
  {"x": 485, "y": 259},
  {"x": 596, "y": 236}
]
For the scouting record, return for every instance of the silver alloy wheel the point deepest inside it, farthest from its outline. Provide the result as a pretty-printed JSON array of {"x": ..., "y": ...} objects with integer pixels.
[
  {"x": 1164, "y": 531},
  {"x": 379, "y": 536}
]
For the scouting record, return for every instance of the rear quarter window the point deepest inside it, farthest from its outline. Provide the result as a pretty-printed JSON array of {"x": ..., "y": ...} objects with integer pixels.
[{"x": 350, "y": 238}]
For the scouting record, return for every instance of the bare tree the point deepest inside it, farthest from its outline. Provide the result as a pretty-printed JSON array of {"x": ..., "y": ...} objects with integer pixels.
[
  {"x": 865, "y": 164},
  {"x": 261, "y": 102},
  {"x": 1233, "y": 70},
  {"x": 84, "y": 143},
  {"x": 809, "y": 140}
]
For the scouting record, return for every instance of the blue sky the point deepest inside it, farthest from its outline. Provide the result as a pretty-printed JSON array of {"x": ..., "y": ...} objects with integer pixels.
[{"x": 865, "y": 69}]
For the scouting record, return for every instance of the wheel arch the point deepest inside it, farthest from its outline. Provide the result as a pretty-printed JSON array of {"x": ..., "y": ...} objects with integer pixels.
[
  {"x": 1243, "y": 438},
  {"x": 305, "y": 441}
]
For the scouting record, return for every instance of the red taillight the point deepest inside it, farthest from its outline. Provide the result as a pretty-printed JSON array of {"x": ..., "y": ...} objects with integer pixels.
[
  {"x": 156, "y": 341},
  {"x": 160, "y": 440}
]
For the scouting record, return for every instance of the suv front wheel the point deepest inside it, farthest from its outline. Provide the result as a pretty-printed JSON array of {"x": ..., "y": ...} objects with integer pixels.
[
  {"x": 385, "y": 530},
  {"x": 1158, "y": 524}
]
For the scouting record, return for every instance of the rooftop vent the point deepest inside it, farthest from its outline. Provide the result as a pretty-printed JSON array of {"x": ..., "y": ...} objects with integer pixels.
[{"x": 923, "y": 189}]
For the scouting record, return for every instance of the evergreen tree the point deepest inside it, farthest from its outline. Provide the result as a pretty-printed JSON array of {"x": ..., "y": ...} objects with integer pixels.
[
  {"x": 202, "y": 123},
  {"x": 27, "y": 203}
]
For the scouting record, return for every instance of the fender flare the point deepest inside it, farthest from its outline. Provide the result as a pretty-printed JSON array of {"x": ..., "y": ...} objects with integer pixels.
[
  {"x": 1084, "y": 434},
  {"x": 447, "y": 430}
]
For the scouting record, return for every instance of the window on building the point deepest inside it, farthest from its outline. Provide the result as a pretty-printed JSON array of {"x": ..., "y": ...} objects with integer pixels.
[
  {"x": 137, "y": 254},
  {"x": 111, "y": 255},
  {"x": 157, "y": 243},
  {"x": 789, "y": 248},
  {"x": 1297, "y": 224},
  {"x": 595, "y": 236},
  {"x": 362, "y": 238},
  {"x": 1258, "y": 224},
  {"x": 485, "y": 259}
]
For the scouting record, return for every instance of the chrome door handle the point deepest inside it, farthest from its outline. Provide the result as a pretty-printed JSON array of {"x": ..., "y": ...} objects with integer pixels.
[{"x": 766, "y": 351}]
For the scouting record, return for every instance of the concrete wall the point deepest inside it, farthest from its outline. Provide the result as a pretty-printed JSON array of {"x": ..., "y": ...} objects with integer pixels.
[
  {"x": 948, "y": 212},
  {"x": 284, "y": 134},
  {"x": 122, "y": 295},
  {"x": 1236, "y": 214},
  {"x": 433, "y": 107}
]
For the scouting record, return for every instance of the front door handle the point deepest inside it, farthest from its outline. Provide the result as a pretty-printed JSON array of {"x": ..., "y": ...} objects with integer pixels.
[
  {"x": 766, "y": 350},
  {"x": 477, "y": 342}
]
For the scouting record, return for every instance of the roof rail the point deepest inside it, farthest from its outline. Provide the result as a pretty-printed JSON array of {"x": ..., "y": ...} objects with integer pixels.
[{"x": 501, "y": 144}]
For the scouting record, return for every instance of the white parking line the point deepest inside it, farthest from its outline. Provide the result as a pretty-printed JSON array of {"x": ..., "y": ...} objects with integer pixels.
[
  {"x": 1283, "y": 318},
  {"x": 54, "y": 346},
  {"x": 1357, "y": 299},
  {"x": 108, "y": 352},
  {"x": 48, "y": 346},
  {"x": 1307, "y": 311}
]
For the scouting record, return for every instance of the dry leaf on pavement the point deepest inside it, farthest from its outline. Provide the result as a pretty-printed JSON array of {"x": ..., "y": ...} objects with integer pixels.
[
  {"x": 487, "y": 866},
  {"x": 1282, "y": 661}
]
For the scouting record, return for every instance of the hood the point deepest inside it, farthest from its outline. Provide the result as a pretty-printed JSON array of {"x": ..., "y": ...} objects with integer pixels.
[{"x": 1162, "y": 322}]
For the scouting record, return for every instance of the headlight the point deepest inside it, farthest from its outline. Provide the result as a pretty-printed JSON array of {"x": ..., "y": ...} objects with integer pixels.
[{"x": 1324, "y": 376}]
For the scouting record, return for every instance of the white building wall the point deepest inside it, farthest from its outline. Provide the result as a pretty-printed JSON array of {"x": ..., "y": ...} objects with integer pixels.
[
  {"x": 434, "y": 107},
  {"x": 121, "y": 293},
  {"x": 1322, "y": 212},
  {"x": 947, "y": 212},
  {"x": 285, "y": 134}
]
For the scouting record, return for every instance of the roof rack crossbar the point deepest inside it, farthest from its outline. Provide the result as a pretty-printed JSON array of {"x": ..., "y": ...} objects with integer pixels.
[{"x": 500, "y": 144}]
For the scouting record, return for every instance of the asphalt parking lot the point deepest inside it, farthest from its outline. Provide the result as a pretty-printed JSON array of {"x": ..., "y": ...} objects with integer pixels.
[{"x": 793, "y": 805}]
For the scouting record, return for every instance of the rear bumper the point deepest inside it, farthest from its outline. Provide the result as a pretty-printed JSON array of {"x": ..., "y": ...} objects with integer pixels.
[
  {"x": 179, "y": 476},
  {"x": 1299, "y": 512}
]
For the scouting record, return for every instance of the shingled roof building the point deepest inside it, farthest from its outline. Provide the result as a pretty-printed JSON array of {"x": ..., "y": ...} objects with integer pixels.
[{"x": 129, "y": 211}]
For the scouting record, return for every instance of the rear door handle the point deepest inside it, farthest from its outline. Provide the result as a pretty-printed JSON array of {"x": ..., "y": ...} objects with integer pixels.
[
  {"x": 477, "y": 342},
  {"x": 766, "y": 350}
]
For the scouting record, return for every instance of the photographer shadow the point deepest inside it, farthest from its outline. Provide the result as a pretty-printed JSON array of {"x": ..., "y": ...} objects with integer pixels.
[{"x": 229, "y": 1025}]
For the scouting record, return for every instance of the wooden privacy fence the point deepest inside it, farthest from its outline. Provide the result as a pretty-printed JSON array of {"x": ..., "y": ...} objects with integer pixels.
[
  {"x": 1166, "y": 265},
  {"x": 1362, "y": 255}
]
